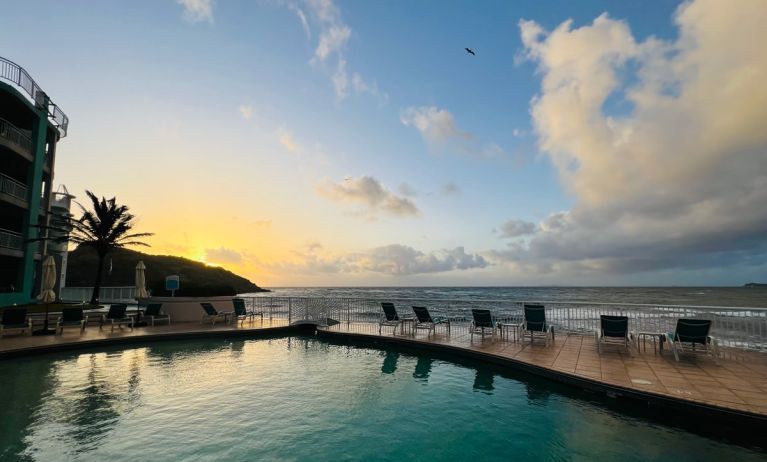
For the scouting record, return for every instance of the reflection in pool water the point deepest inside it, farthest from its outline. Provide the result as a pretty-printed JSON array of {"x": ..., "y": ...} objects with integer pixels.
[{"x": 305, "y": 399}]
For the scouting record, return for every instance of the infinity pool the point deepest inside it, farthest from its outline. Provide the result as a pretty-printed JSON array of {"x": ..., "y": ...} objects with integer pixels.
[{"x": 303, "y": 399}]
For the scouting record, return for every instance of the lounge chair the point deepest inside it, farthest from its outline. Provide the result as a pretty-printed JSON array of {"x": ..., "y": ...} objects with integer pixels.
[
  {"x": 390, "y": 317},
  {"x": 153, "y": 313},
  {"x": 117, "y": 317},
  {"x": 483, "y": 320},
  {"x": 688, "y": 334},
  {"x": 424, "y": 320},
  {"x": 241, "y": 312},
  {"x": 71, "y": 317},
  {"x": 14, "y": 319},
  {"x": 613, "y": 330},
  {"x": 212, "y": 314},
  {"x": 535, "y": 324}
]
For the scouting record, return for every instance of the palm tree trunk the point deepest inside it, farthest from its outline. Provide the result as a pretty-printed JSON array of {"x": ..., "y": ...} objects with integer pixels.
[{"x": 97, "y": 283}]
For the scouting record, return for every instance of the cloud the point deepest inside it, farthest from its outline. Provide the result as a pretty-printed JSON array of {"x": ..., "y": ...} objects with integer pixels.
[
  {"x": 438, "y": 128},
  {"x": 302, "y": 17},
  {"x": 435, "y": 125},
  {"x": 449, "y": 188},
  {"x": 677, "y": 180},
  {"x": 393, "y": 259},
  {"x": 222, "y": 255},
  {"x": 370, "y": 194},
  {"x": 407, "y": 190},
  {"x": 332, "y": 40},
  {"x": 246, "y": 111},
  {"x": 330, "y": 50},
  {"x": 197, "y": 10},
  {"x": 516, "y": 228},
  {"x": 286, "y": 139}
]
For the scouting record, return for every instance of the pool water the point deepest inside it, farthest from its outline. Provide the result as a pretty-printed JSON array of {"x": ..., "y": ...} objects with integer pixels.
[{"x": 297, "y": 399}]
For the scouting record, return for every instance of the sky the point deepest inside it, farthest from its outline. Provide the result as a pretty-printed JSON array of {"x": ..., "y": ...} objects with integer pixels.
[{"x": 347, "y": 143}]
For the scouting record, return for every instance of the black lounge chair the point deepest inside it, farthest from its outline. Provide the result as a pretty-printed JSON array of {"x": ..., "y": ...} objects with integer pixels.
[
  {"x": 71, "y": 317},
  {"x": 390, "y": 317},
  {"x": 483, "y": 320},
  {"x": 212, "y": 314},
  {"x": 14, "y": 319},
  {"x": 535, "y": 324},
  {"x": 153, "y": 312},
  {"x": 117, "y": 317},
  {"x": 424, "y": 320},
  {"x": 692, "y": 335},
  {"x": 241, "y": 312},
  {"x": 613, "y": 330}
]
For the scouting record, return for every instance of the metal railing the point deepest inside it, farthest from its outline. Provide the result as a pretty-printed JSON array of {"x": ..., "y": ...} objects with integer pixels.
[
  {"x": 736, "y": 327},
  {"x": 16, "y": 74},
  {"x": 13, "y": 188},
  {"x": 16, "y": 136},
  {"x": 11, "y": 240},
  {"x": 125, "y": 294}
]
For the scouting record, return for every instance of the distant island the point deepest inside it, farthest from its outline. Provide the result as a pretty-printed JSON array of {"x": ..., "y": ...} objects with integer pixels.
[
  {"x": 755, "y": 284},
  {"x": 197, "y": 279}
]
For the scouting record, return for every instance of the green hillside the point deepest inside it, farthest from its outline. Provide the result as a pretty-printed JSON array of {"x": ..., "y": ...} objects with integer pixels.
[{"x": 197, "y": 279}]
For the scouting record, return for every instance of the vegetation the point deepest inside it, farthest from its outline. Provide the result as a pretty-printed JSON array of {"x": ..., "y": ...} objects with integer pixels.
[
  {"x": 104, "y": 229},
  {"x": 197, "y": 279}
]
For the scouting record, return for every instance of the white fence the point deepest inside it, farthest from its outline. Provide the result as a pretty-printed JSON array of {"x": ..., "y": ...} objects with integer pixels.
[
  {"x": 106, "y": 294},
  {"x": 737, "y": 327}
]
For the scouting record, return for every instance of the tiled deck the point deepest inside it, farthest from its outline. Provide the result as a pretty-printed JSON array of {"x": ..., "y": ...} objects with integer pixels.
[{"x": 737, "y": 382}]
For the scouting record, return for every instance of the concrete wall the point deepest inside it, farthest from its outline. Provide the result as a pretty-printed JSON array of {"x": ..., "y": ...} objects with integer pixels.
[{"x": 186, "y": 309}]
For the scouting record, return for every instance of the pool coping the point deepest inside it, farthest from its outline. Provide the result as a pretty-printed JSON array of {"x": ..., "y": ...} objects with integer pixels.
[
  {"x": 752, "y": 421},
  {"x": 282, "y": 331}
]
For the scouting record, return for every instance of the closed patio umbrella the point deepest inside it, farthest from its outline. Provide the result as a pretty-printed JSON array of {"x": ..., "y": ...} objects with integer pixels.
[
  {"x": 47, "y": 294},
  {"x": 140, "y": 287}
]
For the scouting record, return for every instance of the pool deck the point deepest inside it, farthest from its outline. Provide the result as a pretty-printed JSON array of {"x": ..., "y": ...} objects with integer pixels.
[{"x": 736, "y": 383}]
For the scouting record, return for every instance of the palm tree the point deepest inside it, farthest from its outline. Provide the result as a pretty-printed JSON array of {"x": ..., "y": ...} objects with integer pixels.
[{"x": 105, "y": 228}]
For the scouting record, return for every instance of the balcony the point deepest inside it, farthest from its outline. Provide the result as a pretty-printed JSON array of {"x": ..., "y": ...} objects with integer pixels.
[
  {"x": 13, "y": 188},
  {"x": 11, "y": 240},
  {"x": 16, "y": 74},
  {"x": 15, "y": 138}
]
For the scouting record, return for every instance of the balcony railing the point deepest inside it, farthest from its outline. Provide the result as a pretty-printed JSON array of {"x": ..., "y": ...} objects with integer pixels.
[
  {"x": 11, "y": 240},
  {"x": 12, "y": 187},
  {"x": 16, "y": 74},
  {"x": 14, "y": 135}
]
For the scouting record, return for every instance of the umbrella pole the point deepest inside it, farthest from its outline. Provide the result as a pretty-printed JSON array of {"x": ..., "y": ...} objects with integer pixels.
[{"x": 45, "y": 330}]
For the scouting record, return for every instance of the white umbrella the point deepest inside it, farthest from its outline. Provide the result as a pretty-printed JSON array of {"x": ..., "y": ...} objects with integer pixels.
[
  {"x": 48, "y": 295},
  {"x": 140, "y": 288},
  {"x": 140, "y": 280}
]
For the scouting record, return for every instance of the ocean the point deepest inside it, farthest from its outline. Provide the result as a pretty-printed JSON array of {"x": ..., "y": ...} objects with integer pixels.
[{"x": 754, "y": 297}]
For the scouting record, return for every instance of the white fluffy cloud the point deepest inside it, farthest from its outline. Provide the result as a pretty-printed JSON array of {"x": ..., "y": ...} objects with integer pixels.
[
  {"x": 679, "y": 180},
  {"x": 369, "y": 193},
  {"x": 197, "y": 10}
]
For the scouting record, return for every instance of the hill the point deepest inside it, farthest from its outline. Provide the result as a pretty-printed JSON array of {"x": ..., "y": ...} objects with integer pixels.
[{"x": 197, "y": 279}]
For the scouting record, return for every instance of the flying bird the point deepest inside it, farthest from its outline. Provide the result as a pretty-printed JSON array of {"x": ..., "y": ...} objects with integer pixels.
[{"x": 470, "y": 51}]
